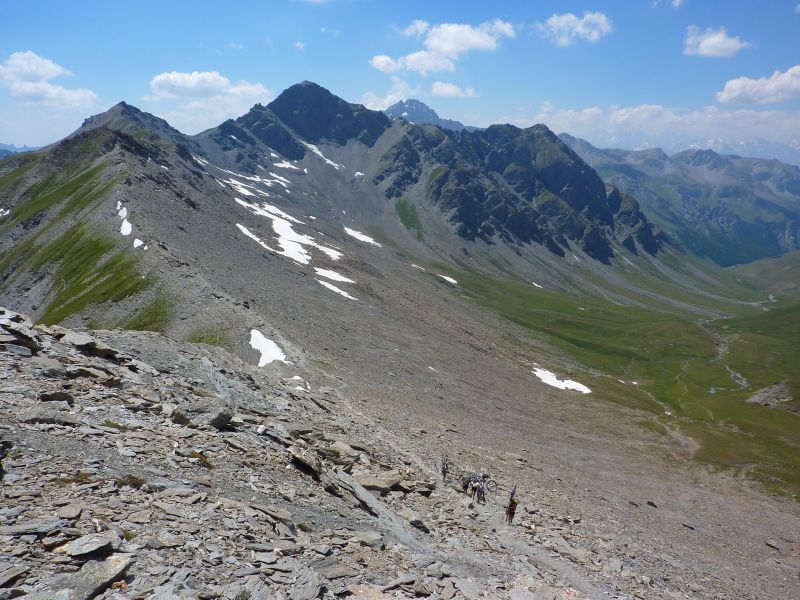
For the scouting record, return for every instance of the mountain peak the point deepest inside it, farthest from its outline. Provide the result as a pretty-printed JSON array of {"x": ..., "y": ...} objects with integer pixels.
[
  {"x": 416, "y": 111},
  {"x": 127, "y": 118},
  {"x": 316, "y": 114}
]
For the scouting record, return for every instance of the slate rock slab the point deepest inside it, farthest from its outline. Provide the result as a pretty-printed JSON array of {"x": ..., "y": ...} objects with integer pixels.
[
  {"x": 34, "y": 526},
  {"x": 95, "y": 542},
  {"x": 94, "y": 577}
]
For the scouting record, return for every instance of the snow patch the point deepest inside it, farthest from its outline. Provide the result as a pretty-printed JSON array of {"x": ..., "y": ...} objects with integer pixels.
[
  {"x": 285, "y": 165},
  {"x": 535, "y": 284},
  {"x": 242, "y": 188},
  {"x": 255, "y": 179},
  {"x": 292, "y": 244},
  {"x": 358, "y": 174},
  {"x": 126, "y": 227},
  {"x": 270, "y": 351},
  {"x": 137, "y": 242},
  {"x": 317, "y": 151},
  {"x": 551, "y": 379},
  {"x": 254, "y": 237},
  {"x": 164, "y": 167},
  {"x": 333, "y": 288},
  {"x": 123, "y": 212},
  {"x": 282, "y": 180},
  {"x": 332, "y": 275},
  {"x": 4, "y": 212},
  {"x": 413, "y": 266},
  {"x": 360, "y": 236},
  {"x": 449, "y": 280},
  {"x": 267, "y": 210}
]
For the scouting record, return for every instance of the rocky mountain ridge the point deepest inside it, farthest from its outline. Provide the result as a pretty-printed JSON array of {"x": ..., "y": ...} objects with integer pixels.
[{"x": 520, "y": 185}]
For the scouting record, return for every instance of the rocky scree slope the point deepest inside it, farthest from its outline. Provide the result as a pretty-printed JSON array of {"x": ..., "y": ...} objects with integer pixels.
[
  {"x": 729, "y": 209},
  {"x": 134, "y": 466}
]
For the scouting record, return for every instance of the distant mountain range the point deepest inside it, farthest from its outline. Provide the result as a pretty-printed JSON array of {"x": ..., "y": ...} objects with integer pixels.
[
  {"x": 9, "y": 149},
  {"x": 674, "y": 143},
  {"x": 728, "y": 209}
]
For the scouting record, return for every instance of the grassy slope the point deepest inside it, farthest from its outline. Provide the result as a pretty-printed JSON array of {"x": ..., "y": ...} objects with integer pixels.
[
  {"x": 673, "y": 357},
  {"x": 88, "y": 272},
  {"x": 88, "y": 267},
  {"x": 780, "y": 276}
]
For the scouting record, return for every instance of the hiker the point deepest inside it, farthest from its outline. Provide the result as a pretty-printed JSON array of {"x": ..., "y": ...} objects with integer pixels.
[
  {"x": 511, "y": 509},
  {"x": 445, "y": 468},
  {"x": 479, "y": 487},
  {"x": 5, "y": 446}
]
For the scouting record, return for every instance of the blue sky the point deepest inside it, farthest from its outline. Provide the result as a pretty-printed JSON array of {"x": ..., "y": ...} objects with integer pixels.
[{"x": 656, "y": 70}]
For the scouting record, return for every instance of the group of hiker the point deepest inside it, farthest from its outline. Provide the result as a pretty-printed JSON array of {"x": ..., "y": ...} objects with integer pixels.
[{"x": 475, "y": 487}]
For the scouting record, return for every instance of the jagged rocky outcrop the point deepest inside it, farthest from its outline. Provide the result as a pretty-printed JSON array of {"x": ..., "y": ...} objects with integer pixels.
[{"x": 515, "y": 185}]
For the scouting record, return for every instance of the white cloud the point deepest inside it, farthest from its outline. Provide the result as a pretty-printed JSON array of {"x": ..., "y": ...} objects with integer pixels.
[
  {"x": 299, "y": 45},
  {"x": 450, "y": 90},
  {"x": 384, "y": 63},
  {"x": 202, "y": 99},
  {"x": 454, "y": 39},
  {"x": 176, "y": 84},
  {"x": 235, "y": 45},
  {"x": 422, "y": 61},
  {"x": 27, "y": 75},
  {"x": 567, "y": 28},
  {"x": 711, "y": 42},
  {"x": 425, "y": 62},
  {"x": 676, "y": 3},
  {"x": 399, "y": 90},
  {"x": 654, "y": 124},
  {"x": 443, "y": 45},
  {"x": 797, "y": 9},
  {"x": 416, "y": 28},
  {"x": 778, "y": 87},
  {"x": 29, "y": 66}
]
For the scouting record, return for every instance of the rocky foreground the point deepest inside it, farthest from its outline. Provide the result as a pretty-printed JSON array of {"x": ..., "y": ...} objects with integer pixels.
[{"x": 134, "y": 466}]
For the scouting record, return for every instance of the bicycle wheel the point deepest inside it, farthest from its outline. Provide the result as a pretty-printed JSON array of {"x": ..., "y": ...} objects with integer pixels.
[{"x": 491, "y": 485}]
